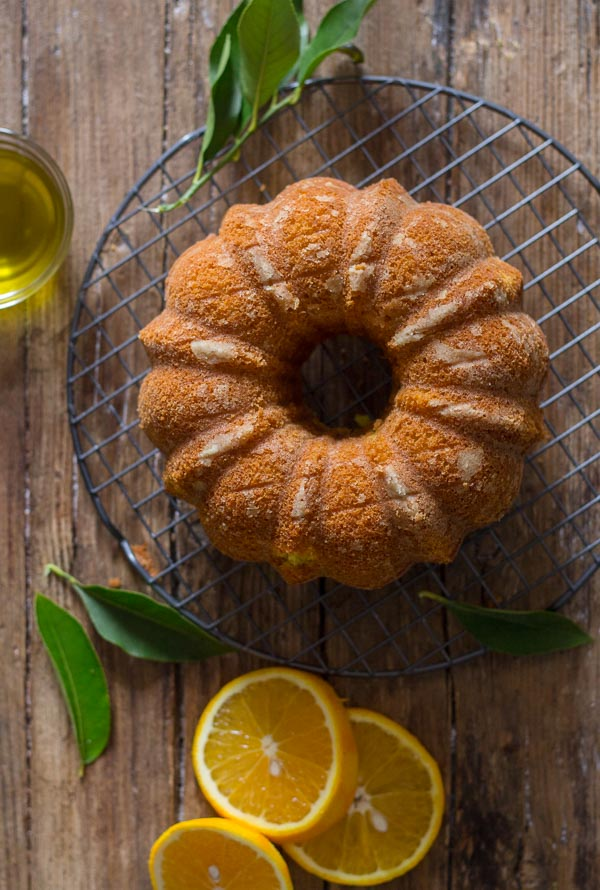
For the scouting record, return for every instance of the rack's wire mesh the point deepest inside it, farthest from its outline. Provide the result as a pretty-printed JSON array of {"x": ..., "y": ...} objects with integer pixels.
[{"x": 541, "y": 209}]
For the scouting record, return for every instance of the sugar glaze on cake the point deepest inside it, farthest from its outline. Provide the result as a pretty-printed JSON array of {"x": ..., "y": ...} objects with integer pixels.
[{"x": 223, "y": 401}]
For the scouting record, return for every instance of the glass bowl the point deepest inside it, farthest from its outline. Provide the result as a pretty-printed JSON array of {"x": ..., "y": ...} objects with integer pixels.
[{"x": 36, "y": 217}]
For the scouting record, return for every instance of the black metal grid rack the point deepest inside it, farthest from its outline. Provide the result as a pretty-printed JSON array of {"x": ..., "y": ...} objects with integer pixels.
[{"x": 541, "y": 208}]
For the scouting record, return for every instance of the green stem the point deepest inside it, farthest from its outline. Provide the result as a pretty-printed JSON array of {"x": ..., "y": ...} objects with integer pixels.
[
  {"x": 51, "y": 569},
  {"x": 296, "y": 94},
  {"x": 201, "y": 179},
  {"x": 254, "y": 118},
  {"x": 197, "y": 183},
  {"x": 427, "y": 595}
]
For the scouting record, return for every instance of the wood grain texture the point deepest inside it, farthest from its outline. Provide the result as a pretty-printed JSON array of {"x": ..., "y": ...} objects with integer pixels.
[
  {"x": 14, "y": 630},
  {"x": 526, "y": 781},
  {"x": 14, "y": 624},
  {"x": 98, "y": 67},
  {"x": 108, "y": 87}
]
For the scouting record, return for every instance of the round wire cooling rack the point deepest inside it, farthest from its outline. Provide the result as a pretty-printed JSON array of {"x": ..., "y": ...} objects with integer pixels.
[{"x": 541, "y": 208}]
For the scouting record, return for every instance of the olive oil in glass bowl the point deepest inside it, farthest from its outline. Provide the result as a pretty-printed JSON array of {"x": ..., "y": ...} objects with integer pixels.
[{"x": 36, "y": 218}]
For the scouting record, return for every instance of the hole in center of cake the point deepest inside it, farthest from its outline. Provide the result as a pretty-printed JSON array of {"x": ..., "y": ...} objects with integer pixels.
[{"x": 347, "y": 382}]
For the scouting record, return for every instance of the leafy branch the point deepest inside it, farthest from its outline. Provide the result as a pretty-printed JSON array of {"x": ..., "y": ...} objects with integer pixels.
[
  {"x": 265, "y": 45},
  {"x": 141, "y": 626},
  {"x": 136, "y": 623}
]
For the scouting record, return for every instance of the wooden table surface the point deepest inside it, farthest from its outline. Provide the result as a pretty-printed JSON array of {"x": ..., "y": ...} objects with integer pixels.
[{"x": 105, "y": 86}]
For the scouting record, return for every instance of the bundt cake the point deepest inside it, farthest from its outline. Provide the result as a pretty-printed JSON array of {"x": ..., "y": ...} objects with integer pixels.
[{"x": 223, "y": 402}]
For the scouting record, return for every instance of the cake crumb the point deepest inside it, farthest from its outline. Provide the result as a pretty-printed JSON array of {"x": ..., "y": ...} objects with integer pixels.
[
  {"x": 115, "y": 583},
  {"x": 143, "y": 556}
]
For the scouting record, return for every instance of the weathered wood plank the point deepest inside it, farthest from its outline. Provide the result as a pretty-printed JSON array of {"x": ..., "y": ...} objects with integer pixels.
[
  {"x": 526, "y": 748},
  {"x": 14, "y": 625},
  {"x": 10, "y": 64},
  {"x": 13, "y": 483},
  {"x": 96, "y": 86}
]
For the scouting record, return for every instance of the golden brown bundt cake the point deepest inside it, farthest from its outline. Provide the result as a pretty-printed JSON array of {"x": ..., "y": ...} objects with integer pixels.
[{"x": 223, "y": 401}]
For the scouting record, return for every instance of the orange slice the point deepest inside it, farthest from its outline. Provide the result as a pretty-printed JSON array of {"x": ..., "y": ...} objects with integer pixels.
[
  {"x": 274, "y": 750},
  {"x": 395, "y": 815},
  {"x": 210, "y": 854}
]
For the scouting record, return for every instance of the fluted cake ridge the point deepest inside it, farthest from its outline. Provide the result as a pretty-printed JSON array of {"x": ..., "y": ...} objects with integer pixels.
[{"x": 245, "y": 307}]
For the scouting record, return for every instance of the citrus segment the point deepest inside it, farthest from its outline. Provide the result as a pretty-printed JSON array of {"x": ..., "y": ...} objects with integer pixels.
[
  {"x": 274, "y": 750},
  {"x": 210, "y": 854},
  {"x": 395, "y": 815}
]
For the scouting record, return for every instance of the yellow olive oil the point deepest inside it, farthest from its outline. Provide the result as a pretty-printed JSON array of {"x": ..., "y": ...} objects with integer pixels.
[{"x": 32, "y": 221}]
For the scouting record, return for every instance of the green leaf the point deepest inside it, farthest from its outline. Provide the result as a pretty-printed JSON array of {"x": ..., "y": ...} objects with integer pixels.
[
  {"x": 338, "y": 28},
  {"x": 142, "y": 627},
  {"x": 304, "y": 28},
  {"x": 80, "y": 676},
  {"x": 304, "y": 40},
  {"x": 229, "y": 30},
  {"x": 515, "y": 632},
  {"x": 269, "y": 35},
  {"x": 223, "y": 117}
]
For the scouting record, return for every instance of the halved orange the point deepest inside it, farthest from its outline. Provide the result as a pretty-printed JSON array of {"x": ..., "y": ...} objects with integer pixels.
[
  {"x": 211, "y": 854},
  {"x": 274, "y": 750},
  {"x": 395, "y": 815}
]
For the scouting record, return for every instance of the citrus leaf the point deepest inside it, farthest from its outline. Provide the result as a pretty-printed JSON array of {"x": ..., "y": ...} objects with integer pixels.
[
  {"x": 269, "y": 35},
  {"x": 515, "y": 632},
  {"x": 80, "y": 676},
  {"x": 338, "y": 28},
  {"x": 142, "y": 627},
  {"x": 304, "y": 28},
  {"x": 224, "y": 117},
  {"x": 225, "y": 105},
  {"x": 229, "y": 30},
  {"x": 304, "y": 40}
]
